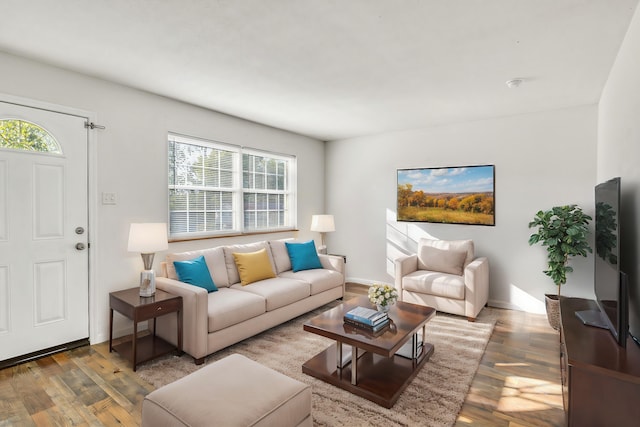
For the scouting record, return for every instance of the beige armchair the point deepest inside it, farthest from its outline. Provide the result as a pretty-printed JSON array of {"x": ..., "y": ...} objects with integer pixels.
[{"x": 444, "y": 275}]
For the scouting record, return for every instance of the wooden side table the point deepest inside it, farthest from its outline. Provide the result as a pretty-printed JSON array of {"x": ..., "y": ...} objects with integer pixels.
[{"x": 129, "y": 303}]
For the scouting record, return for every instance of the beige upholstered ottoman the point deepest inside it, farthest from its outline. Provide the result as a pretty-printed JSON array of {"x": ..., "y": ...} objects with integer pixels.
[{"x": 234, "y": 391}]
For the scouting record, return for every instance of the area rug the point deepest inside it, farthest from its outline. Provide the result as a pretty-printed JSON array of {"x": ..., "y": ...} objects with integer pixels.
[{"x": 433, "y": 398}]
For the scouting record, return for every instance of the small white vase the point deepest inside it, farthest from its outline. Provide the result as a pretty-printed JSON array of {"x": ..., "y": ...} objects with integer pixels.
[{"x": 383, "y": 308}]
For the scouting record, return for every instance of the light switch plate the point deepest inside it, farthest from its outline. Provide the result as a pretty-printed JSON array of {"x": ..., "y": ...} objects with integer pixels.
[{"x": 108, "y": 198}]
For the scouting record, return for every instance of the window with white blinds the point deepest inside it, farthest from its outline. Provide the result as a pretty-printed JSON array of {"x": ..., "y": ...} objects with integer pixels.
[{"x": 217, "y": 188}]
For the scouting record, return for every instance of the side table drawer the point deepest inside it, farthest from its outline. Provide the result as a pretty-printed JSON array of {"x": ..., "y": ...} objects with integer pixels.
[{"x": 151, "y": 311}]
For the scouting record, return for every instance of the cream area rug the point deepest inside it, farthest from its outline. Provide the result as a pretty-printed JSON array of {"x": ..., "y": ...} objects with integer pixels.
[{"x": 433, "y": 398}]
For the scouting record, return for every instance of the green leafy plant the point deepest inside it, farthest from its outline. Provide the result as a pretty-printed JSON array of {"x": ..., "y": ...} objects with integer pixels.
[{"x": 563, "y": 230}]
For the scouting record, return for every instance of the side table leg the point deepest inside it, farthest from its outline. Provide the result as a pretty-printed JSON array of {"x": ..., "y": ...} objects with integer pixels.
[
  {"x": 110, "y": 330},
  {"x": 134, "y": 357}
]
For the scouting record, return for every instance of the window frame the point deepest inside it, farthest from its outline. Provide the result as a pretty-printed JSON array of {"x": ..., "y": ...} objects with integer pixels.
[{"x": 237, "y": 189}]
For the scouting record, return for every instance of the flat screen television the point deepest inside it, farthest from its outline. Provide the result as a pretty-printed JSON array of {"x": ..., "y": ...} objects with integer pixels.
[{"x": 610, "y": 283}]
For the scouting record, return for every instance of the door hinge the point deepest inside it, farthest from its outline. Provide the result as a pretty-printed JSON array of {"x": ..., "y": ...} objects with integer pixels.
[{"x": 91, "y": 125}]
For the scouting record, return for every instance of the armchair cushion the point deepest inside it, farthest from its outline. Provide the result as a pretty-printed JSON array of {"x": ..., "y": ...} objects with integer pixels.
[
  {"x": 434, "y": 283},
  {"x": 443, "y": 260},
  {"x": 456, "y": 245}
]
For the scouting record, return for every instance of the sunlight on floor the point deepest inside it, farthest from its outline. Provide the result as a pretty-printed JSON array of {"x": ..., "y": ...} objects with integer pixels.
[
  {"x": 463, "y": 419},
  {"x": 529, "y": 394}
]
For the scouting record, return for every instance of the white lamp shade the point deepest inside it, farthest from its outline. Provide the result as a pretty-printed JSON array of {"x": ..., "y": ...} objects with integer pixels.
[
  {"x": 147, "y": 238},
  {"x": 322, "y": 223}
]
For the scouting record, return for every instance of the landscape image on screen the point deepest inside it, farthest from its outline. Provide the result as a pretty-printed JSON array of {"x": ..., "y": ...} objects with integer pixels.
[{"x": 452, "y": 195}]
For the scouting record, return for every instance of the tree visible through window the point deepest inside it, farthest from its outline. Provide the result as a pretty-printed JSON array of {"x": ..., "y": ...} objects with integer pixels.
[
  {"x": 22, "y": 135},
  {"x": 264, "y": 180},
  {"x": 217, "y": 188}
]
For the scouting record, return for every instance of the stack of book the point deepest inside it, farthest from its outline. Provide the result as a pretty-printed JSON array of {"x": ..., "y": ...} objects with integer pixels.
[{"x": 366, "y": 318}]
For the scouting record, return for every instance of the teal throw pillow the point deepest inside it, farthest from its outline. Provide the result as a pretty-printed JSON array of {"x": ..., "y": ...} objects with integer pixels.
[
  {"x": 303, "y": 256},
  {"x": 195, "y": 272}
]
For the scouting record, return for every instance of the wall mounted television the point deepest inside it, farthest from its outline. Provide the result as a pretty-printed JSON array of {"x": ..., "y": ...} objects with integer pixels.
[
  {"x": 610, "y": 283},
  {"x": 450, "y": 195}
]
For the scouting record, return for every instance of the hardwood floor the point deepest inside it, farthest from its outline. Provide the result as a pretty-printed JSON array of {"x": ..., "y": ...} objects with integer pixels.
[
  {"x": 518, "y": 380},
  {"x": 517, "y": 383}
]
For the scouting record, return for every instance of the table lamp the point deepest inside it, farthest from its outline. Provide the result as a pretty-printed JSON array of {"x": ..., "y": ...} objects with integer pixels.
[
  {"x": 148, "y": 238},
  {"x": 322, "y": 224}
]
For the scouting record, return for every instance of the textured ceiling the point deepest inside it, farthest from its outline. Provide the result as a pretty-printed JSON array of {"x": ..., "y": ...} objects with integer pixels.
[{"x": 334, "y": 69}]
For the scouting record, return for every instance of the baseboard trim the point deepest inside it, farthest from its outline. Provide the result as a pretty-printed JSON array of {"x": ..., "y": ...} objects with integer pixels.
[
  {"x": 366, "y": 282},
  {"x": 510, "y": 306},
  {"x": 42, "y": 353}
]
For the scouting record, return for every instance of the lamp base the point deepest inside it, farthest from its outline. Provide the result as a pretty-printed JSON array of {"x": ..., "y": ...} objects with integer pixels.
[{"x": 147, "y": 283}]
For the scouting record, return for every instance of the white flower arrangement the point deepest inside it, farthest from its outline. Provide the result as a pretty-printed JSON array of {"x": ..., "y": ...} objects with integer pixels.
[{"x": 383, "y": 295}]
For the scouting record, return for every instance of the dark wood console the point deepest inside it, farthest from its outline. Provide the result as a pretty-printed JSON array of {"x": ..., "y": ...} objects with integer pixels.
[{"x": 600, "y": 379}]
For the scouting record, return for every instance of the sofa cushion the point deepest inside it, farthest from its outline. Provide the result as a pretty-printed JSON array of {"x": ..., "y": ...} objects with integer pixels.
[
  {"x": 195, "y": 272},
  {"x": 228, "y": 307},
  {"x": 434, "y": 283},
  {"x": 214, "y": 258},
  {"x": 456, "y": 245},
  {"x": 304, "y": 256},
  {"x": 320, "y": 279},
  {"x": 278, "y": 292},
  {"x": 280, "y": 255},
  {"x": 442, "y": 260},
  {"x": 253, "y": 266},
  {"x": 230, "y": 261}
]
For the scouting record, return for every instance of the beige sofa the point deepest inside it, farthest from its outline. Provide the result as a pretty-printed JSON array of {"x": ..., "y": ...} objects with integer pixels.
[
  {"x": 444, "y": 275},
  {"x": 213, "y": 321}
]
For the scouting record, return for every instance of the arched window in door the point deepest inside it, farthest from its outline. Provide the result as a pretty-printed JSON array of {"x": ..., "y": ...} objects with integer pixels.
[{"x": 22, "y": 135}]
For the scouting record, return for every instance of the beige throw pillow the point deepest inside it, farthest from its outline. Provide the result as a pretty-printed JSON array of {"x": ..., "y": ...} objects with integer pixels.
[{"x": 442, "y": 260}]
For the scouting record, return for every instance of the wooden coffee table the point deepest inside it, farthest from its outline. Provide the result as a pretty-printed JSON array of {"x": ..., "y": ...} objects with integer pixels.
[{"x": 378, "y": 374}]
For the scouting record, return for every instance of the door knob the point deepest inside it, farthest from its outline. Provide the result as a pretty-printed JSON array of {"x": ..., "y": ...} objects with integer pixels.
[{"x": 80, "y": 246}]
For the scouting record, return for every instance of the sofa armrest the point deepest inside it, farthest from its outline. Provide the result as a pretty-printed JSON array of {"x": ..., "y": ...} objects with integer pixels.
[
  {"x": 476, "y": 279},
  {"x": 332, "y": 262},
  {"x": 404, "y": 265},
  {"x": 194, "y": 316}
]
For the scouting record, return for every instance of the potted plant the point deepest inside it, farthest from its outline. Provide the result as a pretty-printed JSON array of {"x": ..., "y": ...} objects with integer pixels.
[{"x": 563, "y": 230}]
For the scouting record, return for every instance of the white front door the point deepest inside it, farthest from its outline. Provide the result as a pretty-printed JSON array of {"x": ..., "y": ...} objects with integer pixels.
[{"x": 44, "y": 291}]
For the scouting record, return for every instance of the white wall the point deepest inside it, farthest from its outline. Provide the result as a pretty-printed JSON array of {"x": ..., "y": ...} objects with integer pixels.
[
  {"x": 132, "y": 162},
  {"x": 619, "y": 152},
  {"x": 541, "y": 160}
]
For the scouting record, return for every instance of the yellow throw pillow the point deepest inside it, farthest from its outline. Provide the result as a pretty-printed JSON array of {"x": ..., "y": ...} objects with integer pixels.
[{"x": 253, "y": 266}]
